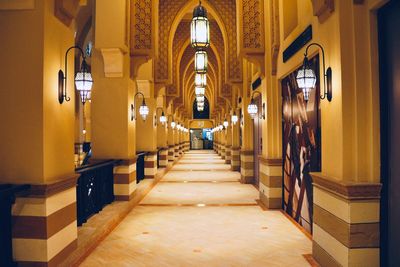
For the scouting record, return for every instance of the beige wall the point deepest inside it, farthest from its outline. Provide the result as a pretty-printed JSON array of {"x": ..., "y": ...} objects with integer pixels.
[{"x": 37, "y": 133}]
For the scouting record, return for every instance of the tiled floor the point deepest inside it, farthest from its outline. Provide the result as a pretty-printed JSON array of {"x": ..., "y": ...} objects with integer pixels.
[{"x": 197, "y": 217}]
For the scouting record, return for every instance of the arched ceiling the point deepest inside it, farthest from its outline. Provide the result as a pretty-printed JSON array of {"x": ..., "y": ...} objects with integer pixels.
[{"x": 174, "y": 64}]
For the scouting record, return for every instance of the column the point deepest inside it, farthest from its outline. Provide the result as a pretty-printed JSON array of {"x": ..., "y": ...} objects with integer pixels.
[
  {"x": 38, "y": 133},
  {"x": 113, "y": 130},
  {"x": 346, "y": 222},
  {"x": 146, "y": 133},
  {"x": 228, "y": 141},
  {"x": 247, "y": 151}
]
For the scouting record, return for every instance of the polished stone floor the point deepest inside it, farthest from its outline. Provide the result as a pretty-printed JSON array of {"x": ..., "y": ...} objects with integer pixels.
[{"x": 200, "y": 215}]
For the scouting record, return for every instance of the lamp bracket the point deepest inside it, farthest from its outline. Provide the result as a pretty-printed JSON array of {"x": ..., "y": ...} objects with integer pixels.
[
  {"x": 62, "y": 78},
  {"x": 327, "y": 73}
]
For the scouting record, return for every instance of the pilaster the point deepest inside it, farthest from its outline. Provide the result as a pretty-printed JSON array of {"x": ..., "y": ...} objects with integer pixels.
[
  {"x": 247, "y": 166},
  {"x": 346, "y": 222},
  {"x": 271, "y": 182},
  {"x": 125, "y": 180}
]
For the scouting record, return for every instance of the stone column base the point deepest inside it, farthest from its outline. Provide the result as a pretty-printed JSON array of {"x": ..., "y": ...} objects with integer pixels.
[
  {"x": 223, "y": 149},
  {"x": 163, "y": 157},
  {"x": 346, "y": 222},
  {"x": 45, "y": 223},
  {"x": 176, "y": 153},
  {"x": 247, "y": 166},
  {"x": 171, "y": 152},
  {"x": 125, "y": 180},
  {"x": 271, "y": 182},
  {"x": 228, "y": 155},
  {"x": 235, "y": 159},
  {"x": 150, "y": 165}
]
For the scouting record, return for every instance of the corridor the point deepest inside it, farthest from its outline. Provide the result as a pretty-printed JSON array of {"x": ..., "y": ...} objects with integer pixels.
[{"x": 199, "y": 214}]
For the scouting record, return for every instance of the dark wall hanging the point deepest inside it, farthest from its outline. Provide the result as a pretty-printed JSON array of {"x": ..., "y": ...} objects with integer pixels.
[{"x": 301, "y": 146}]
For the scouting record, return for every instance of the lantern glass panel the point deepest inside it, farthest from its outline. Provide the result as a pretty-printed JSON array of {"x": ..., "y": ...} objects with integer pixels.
[
  {"x": 201, "y": 62},
  {"x": 200, "y": 32},
  {"x": 200, "y": 80}
]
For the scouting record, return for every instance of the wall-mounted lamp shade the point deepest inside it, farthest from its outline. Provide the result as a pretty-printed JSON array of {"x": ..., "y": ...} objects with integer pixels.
[
  {"x": 200, "y": 80},
  {"x": 234, "y": 118},
  {"x": 200, "y": 98},
  {"x": 306, "y": 79},
  {"x": 144, "y": 110},
  {"x": 200, "y": 62},
  {"x": 163, "y": 119},
  {"x": 83, "y": 79},
  {"x": 252, "y": 109},
  {"x": 173, "y": 124},
  {"x": 200, "y": 28},
  {"x": 84, "y": 82},
  {"x": 226, "y": 123}
]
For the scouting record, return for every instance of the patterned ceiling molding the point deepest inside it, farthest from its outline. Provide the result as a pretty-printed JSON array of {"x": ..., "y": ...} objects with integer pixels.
[
  {"x": 251, "y": 28},
  {"x": 66, "y": 10},
  {"x": 323, "y": 8},
  {"x": 142, "y": 32}
]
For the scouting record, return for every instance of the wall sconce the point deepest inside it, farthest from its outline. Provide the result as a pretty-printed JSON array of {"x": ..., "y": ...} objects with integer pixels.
[
  {"x": 306, "y": 77},
  {"x": 226, "y": 123},
  {"x": 173, "y": 124},
  {"x": 163, "y": 119},
  {"x": 252, "y": 108},
  {"x": 235, "y": 118},
  {"x": 143, "y": 109},
  {"x": 83, "y": 79}
]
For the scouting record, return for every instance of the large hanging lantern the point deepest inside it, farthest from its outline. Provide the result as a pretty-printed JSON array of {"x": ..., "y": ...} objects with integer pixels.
[
  {"x": 144, "y": 110},
  {"x": 306, "y": 79},
  {"x": 200, "y": 80},
  {"x": 200, "y": 91},
  {"x": 200, "y": 28},
  {"x": 200, "y": 62},
  {"x": 200, "y": 98}
]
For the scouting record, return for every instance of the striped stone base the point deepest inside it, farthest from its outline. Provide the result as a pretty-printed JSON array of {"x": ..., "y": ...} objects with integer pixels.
[
  {"x": 235, "y": 159},
  {"x": 171, "y": 152},
  {"x": 346, "y": 222},
  {"x": 163, "y": 157},
  {"x": 223, "y": 149},
  {"x": 45, "y": 224},
  {"x": 219, "y": 149},
  {"x": 176, "y": 152},
  {"x": 247, "y": 166},
  {"x": 228, "y": 155},
  {"x": 150, "y": 165},
  {"x": 125, "y": 180},
  {"x": 271, "y": 183}
]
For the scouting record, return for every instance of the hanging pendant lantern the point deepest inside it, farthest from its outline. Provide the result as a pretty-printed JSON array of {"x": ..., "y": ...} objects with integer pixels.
[
  {"x": 200, "y": 28},
  {"x": 200, "y": 98},
  {"x": 200, "y": 80},
  {"x": 234, "y": 118},
  {"x": 200, "y": 91},
  {"x": 200, "y": 62}
]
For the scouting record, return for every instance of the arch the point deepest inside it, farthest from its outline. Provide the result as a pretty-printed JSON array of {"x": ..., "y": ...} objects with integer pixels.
[{"x": 178, "y": 18}]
